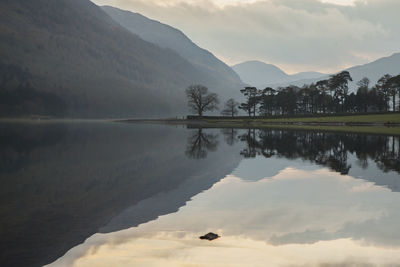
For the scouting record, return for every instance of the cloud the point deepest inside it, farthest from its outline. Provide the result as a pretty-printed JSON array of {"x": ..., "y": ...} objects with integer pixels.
[{"x": 295, "y": 35}]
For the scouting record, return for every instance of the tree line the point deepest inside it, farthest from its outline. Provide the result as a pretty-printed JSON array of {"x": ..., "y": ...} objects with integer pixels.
[{"x": 325, "y": 96}]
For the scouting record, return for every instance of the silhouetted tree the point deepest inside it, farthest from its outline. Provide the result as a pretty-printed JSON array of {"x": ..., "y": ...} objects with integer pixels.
[
  {"x": 331, "y": 95},
  {"x": 376, "y": 99},
  {"x": 384, "y": 89},
  {"x": 286, "y": 99},
  {"x": 325, "y": 99},
  {"x": 394, "y": 84},
  {"x": 230, "y": 108},
  {"x": 339, "y": 84},
  {"x": 252, "y": 99},
  {"x": 362, "y": 95},
  {"x": 199, "y": 100},
  {"x": 267, "y": 101}
]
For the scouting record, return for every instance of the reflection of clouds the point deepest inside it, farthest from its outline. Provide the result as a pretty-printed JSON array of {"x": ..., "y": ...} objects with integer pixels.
[
  {"x": 366, "y": 187},
  {"x": 165, "y": 249},
  {"x": 313, "y": 216}
]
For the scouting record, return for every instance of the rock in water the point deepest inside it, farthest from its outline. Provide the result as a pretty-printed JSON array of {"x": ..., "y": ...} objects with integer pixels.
[{"x": 210, "y": 236}]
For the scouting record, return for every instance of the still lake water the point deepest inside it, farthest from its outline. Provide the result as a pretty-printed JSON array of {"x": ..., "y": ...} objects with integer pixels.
[{"x": 116, "y": 194}]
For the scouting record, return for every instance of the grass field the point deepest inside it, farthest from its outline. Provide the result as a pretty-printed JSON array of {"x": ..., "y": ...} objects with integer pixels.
[
  {"x": 370, "y": 123},
  {"x": 348, "y": 119}
]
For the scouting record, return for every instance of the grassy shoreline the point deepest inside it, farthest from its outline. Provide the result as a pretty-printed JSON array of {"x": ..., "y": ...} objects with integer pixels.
[
  {"x": 387, "y": 124},
  {"x": 385, "y": 118}
]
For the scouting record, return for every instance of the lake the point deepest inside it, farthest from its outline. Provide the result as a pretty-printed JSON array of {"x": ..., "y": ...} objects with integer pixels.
[{"x": 97, "y": 193}]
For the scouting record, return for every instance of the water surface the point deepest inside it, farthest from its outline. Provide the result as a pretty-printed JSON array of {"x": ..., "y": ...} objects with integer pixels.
[{"x": 102, "y": 194}]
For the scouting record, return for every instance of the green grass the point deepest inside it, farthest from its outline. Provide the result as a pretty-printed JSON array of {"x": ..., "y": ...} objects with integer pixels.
[
  {"x": 370, "y": 123},
  {"x": 369, "y": 118}
]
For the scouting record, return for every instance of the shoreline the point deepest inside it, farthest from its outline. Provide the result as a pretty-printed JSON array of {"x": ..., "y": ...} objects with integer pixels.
[{"x": 377, "y": 124}]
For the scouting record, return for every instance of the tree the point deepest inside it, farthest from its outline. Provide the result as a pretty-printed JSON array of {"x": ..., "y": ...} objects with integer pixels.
[
  {"x": 199, "y": 100},
  {"x": 394, "y": 84},
  {"x": 267, "y": 101},
  {"x": 376, "y": 99},
  {"x": 286, "y": 99},
  {"x": 325, "y": 99},
  {"x": 362, "y": 95},
  {"x": 339, "y": 83},
  {"x": 383, "y": 86},
  {"x": 252, "y": 95},
  {"x": 231, "y": 108}
]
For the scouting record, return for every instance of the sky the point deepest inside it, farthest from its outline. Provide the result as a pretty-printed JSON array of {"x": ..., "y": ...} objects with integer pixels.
[{"x": 295, "y": 35}]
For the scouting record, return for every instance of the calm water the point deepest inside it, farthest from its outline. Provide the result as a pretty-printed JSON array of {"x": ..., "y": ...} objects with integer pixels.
[{"x": 114, "y": 194}]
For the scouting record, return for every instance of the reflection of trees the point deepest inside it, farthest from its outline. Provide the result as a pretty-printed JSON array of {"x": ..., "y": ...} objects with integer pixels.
[
  {"x": 327, "y": 149},
  {"x": 250, "y": 138},
  {"x": 230, "y": 135},
  {"x": 200, "y": 143},
  {"x": 390, "y": 160},
  {"x": 323, "y": 148}
]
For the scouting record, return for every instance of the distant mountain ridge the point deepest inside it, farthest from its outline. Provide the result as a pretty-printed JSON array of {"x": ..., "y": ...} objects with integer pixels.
[
  {"x": 376, "y": 69},
  {"x": 373, "y": 70},
  {"x": 260, "y": 74}
]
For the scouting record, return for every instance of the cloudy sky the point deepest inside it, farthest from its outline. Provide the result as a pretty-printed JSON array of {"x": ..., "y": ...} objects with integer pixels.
[{"x": 296, "y": 35}]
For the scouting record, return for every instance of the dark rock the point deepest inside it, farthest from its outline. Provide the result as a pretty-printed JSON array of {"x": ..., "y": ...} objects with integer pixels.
[{"x": 210, "y": 236}]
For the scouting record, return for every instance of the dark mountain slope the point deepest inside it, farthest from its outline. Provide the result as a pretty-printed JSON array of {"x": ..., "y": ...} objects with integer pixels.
[
  {"x": 73, "y": 50},
  {"x": 225, "y": 80}
]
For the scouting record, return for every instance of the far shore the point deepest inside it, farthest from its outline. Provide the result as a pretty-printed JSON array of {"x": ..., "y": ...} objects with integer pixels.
[
  {"x": 373, "y": 123},
  {"x": 366, "y": 119}
]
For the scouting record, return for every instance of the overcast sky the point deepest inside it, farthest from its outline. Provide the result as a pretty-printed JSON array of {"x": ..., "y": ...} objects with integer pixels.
[{"x": 296, "y": 35}]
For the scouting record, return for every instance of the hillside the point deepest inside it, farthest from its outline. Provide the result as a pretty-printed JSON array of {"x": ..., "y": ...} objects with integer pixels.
[
  {"x": 260, "y": 74},
  {"x": 71, "y": 53},
  {"x": 376, "y": 69},
  {"x": 264, "y": 75},
  {"x": 225, "y": 81}
]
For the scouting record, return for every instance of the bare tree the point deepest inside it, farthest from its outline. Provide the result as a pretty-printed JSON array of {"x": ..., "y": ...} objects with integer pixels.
[
  {"x": 231, "y": 108},
  {"x": 199, "y": 100}
]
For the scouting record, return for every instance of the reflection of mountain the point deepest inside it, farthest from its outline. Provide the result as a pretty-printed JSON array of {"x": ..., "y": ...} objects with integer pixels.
[
  {"x": 201, "y": 174},
  {"x": 79, "y": 176}
]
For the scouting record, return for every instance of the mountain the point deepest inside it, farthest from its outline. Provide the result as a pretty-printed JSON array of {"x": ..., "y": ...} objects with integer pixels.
[
  {"x": 166, "y": 36},
  {"x": 69, "y": 58},
  {"x": 306, "y": 75},
  {"x": 260, "y": 74},
  {"x": 376, "y": 69}
]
